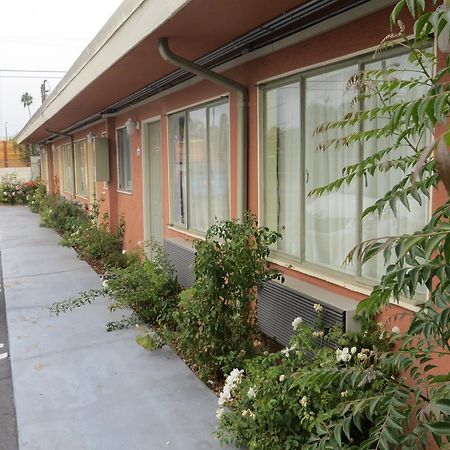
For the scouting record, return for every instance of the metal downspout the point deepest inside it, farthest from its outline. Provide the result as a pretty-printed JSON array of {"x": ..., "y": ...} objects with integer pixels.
[
  {"x": 72, "y": 147},
  {"x": 242, "y": 115}
]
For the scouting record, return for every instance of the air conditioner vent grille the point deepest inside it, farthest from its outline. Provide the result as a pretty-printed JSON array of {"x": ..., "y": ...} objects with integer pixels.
[
  {"x": 182, "y": 259},
  {"x": 279, "y": 305}
]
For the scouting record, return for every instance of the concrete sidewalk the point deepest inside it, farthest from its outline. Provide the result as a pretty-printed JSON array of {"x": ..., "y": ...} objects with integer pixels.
[{"x": 75, "y": 385}]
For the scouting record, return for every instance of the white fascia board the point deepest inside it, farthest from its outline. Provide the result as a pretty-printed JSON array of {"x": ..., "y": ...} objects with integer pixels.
[{"x": 132, "y": 22}]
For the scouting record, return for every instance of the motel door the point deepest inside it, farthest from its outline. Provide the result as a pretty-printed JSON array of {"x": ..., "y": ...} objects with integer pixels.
[{"x": 154, "y": 181}]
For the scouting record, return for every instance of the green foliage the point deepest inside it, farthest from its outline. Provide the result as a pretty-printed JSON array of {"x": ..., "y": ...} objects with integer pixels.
[
  {"x": 72, "y": 303},
  {"x": 35, "y": 191},
  {"x": 292, "y": 399},
  {"x": 12, "y": 190},
  {"x": 96, "y": 243},
  {"x": 80, "y": 229},
  {"x": 149, "y": 339},
  {"x": 414, "y": 410},
  {"x": 148, "y": 288},
  {"x": 65, "y": 216},
  {"x": 216, "y": 318}
]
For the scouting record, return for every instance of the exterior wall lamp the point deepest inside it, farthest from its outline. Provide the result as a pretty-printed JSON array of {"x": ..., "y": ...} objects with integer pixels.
[
  {"x": 90, "y": 137},
  {"x": 131, "y": 126}
]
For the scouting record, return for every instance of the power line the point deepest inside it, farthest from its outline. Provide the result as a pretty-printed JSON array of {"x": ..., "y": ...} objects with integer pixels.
[
  {"x": 32, "y": 70},
  {"x": 28, "y": 76}
]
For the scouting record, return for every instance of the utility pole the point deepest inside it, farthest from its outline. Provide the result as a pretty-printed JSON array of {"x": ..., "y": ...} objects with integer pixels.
[
  {"x": 45, "y": 89},
  {"x": 6, "y": 130}
]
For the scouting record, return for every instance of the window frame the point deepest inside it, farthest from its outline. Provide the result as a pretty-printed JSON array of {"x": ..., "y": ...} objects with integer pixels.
[
  {"x": 186, "y": 227},
  {"x": 356, "y": 279},
  {"x": 78, "y": 173},
  {"x": 68, "y": 165},
  {"x": 120, "y": 189}
]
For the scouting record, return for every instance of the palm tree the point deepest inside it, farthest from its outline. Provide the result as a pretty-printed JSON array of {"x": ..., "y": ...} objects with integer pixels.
[{"x": 27, "y": 100}]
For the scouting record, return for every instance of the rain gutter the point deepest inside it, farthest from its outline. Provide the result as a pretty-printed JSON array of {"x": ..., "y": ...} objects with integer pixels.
[{"x": 242, "y": 114}]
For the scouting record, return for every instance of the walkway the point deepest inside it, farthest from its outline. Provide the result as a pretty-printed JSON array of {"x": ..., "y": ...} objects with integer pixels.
[{"x": 75, "y": 385}]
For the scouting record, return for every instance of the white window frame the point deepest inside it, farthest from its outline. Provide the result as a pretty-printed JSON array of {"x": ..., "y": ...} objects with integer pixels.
[
  {"x": 121, "y": 189},
  {"x": 68, "y": 166},
  {"x": 355, "y": 281},
  {"x": 186, "y": 227},
  {"x": 78, "y": 170}
]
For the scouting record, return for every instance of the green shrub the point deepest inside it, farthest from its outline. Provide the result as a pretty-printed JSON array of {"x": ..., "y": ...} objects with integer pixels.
[
  {"x": 288, "y": 399},
  {"x": 35, "y": 193},
  {"x": 12, "y": 190},
  {"x": 65, "y": 216},
  {"x": 96, "y": 243},
  {"x": 148, "y": 288},
  {"x": 217, "y": 317}
]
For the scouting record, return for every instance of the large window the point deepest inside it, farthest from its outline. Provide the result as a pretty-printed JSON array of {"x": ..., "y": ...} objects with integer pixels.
[
  {"x": 81, "y": 173},
  {"x": 199, "y": 159},
  {"x": 322, "y": 230},
  {"x": 124, "y": 160},
  {"x": 68, "y": 168}
]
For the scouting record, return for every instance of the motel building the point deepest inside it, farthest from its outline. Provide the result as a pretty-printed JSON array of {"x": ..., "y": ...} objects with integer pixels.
[{"x": 181, "y": 112}]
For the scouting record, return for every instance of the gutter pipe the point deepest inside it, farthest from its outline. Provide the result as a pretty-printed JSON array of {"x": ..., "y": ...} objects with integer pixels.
[
  {"x": 72, "y": 147},
  {"x": 242, "y": 114}
]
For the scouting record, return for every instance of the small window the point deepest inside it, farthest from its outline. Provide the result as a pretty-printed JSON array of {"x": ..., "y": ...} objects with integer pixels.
[{"x": 124, "y": 160}]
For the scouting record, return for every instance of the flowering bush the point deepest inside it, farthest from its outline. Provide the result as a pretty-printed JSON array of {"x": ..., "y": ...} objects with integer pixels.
[
  {"x": 12, "y": 190},
  {"x": 35, "y": 192},
  {"x": 148, "y": 288},
  {"x": 289, "y": 399},
  {"x": 65, "y": 216},
  {"x": 216, "y": 318},
  {"x": 95, "y": 242}
]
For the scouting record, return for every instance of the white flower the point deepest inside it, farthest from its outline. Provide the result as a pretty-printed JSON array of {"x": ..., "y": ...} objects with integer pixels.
[
  {"x": 140, "y": 243},
  {"x": 361, "y": 356},
  {"x": 304, "y": 401},
  {"x": 296, "y": 323},
  {"x": 353, "y": 350},
  {"x": 282, "y": 378},
  {"x": 124, "y": 252},
  {"x": 223, "y": 398},
  {"x": 318, "y": 307},
  {"x": 395, "y": 330},
  {"x": 234, "y": 375},
  {"x": 343, "y": 355},
  {"x": 318, "y": 334},
  {"x": 105, "y": 283},
  {"x": 231, "y": 382},
  {"x": 285, "y": 352},
  {"x": 219, "y": 413},
  {"x": 344, "y": 394},
  {"x": 251, "y": 392},
  {"x": 248, "y": 413}
]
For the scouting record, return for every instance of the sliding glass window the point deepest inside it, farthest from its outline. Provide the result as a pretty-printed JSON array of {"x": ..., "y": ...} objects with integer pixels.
[
  {"x": 81, "y": 174},
  {"x": 199, "y": 166},
  {"x": 322, "y": 230},
  {"x": 124, "y": 160},
  {"x": 68, "y": 168}
]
